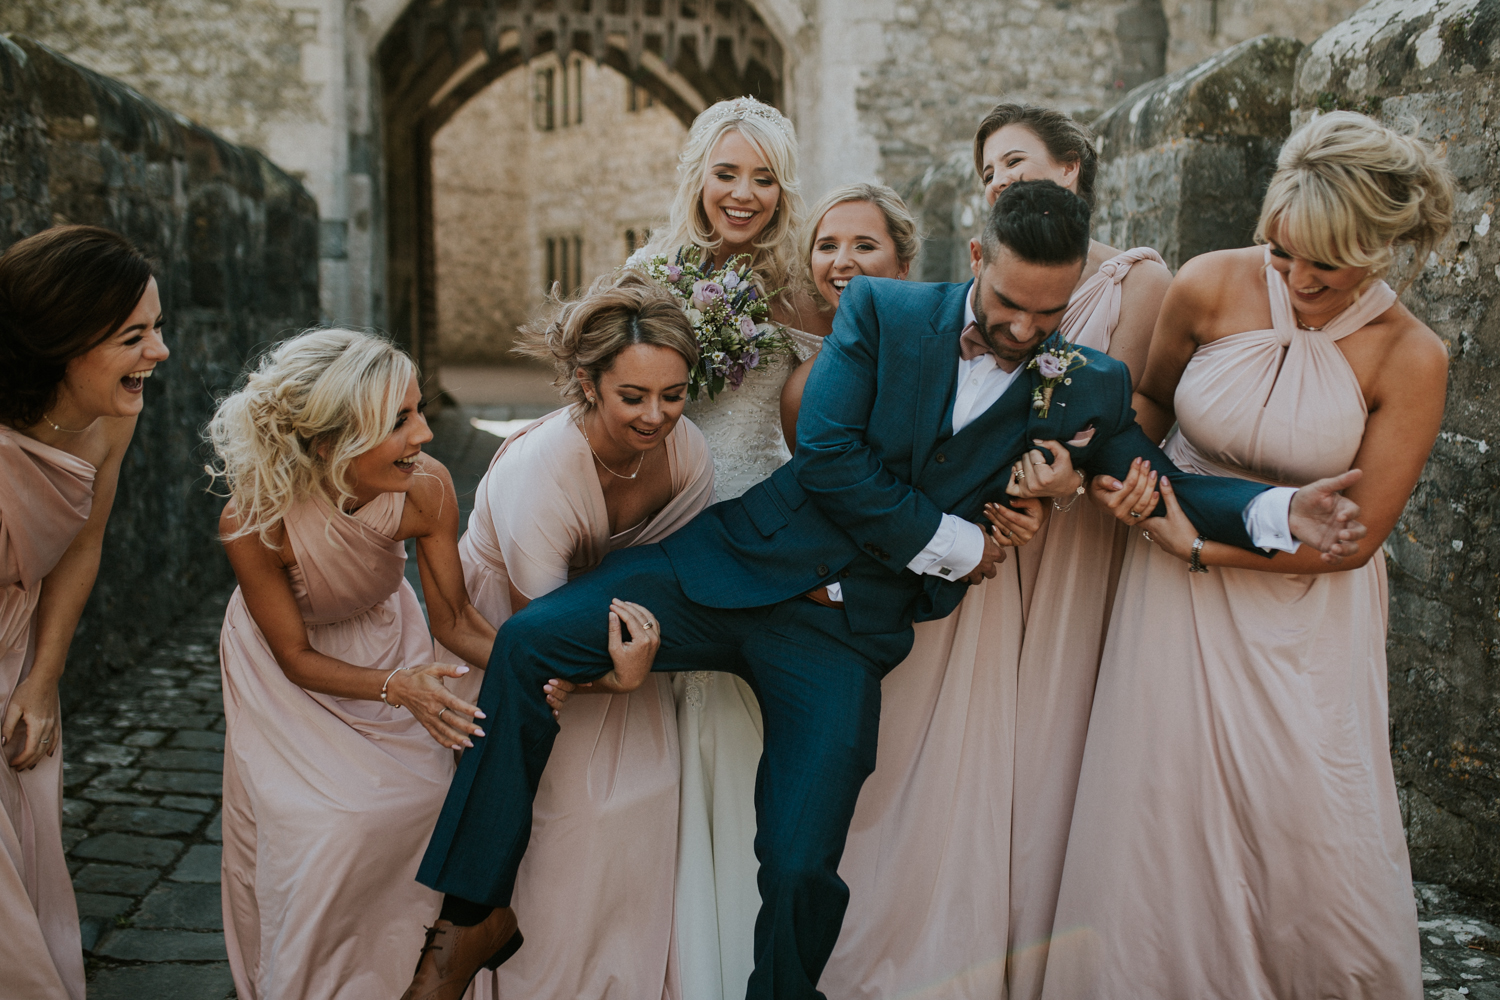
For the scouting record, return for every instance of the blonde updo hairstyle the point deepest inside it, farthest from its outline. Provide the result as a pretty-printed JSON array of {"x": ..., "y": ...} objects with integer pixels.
[
  {"x": 1348, "y": 190},
  {"x": 900, "y": 224},
  {"x": 311, "y": 406},
  {"x": 776, "y": 261},
  {"x": 587, "y": 334}
]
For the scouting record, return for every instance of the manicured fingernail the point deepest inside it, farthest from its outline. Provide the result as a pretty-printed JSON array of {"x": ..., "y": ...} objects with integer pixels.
[
  {"x": 462, "y": 671},
  {"x": 478, "y": 714},
  {"x": 479, "y": 732},
  {"x": 468, "y": 745}
]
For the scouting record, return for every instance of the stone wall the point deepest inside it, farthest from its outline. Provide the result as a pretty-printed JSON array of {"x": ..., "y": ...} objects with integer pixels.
[
  {"x": 1184, "y": 161},
  {"x": 236, "y": 241},
  {"x": 1437, "y": 64},
  {"x": 502, "y": 186}
]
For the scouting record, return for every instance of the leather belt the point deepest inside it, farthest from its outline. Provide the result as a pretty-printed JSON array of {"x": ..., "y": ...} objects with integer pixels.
[{"x": 820, "y": 596}]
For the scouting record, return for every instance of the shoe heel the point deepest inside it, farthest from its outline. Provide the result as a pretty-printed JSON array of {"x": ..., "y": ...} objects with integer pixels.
[{"x": 508, "y": 949}]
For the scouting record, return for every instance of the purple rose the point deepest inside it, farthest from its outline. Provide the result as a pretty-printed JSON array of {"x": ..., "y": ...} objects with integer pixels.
[
  {"x": 731, "y": 280},
  {"x": 747, "y": 327},
  {"x": 674, "y": 273},
  {"x": 706, "y": 293},
  {"x": 752, "y": 359},
  {"x": 1051, "y": 366}
]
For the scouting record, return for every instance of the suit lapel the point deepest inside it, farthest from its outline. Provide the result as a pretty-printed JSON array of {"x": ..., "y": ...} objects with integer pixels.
[{"x": 938, "y": 378}]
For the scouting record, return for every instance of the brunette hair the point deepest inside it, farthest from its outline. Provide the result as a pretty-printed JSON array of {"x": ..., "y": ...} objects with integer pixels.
[
  {"x": 1347, "y": 189},
  {"x": 1066, "y": 140},
  {"x": 304, "y": 412},
  {"x": 63, "y": 292},
  {"x": 589, "y": 332},
  {"x": 1041, "y": 222},
  {"x": 900, "y": 224}
]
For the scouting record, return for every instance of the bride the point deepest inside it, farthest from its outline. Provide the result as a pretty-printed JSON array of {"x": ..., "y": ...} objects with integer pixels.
[{"x": 737, "y": 194}]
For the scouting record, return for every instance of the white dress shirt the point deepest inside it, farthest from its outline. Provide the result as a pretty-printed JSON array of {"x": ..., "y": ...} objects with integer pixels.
[{"x": 958, "y": 545}]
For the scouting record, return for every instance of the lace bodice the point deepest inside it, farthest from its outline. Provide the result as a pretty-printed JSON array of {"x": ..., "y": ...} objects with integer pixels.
[{"x": 743, "y": 426}]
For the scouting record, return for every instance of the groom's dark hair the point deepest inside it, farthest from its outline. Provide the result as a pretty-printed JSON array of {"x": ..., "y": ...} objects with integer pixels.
[{"x": 1038, "y": 221}]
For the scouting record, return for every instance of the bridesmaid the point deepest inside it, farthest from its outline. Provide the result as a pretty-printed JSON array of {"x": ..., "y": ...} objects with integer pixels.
[
  {"x": 925, "y": 861},
  {"x": 340, "y": 732},
  {"x": 617, "y": 466},
  {"x": 80, "y": 332},
  {"x": 1237, "y": 832},
  {"x": 1068, "y": 571}
]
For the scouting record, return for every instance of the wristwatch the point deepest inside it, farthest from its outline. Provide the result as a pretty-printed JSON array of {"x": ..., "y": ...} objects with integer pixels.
[{"x": 1195, "y": 565}]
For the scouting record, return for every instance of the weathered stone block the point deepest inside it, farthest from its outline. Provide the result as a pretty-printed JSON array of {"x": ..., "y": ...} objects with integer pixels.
[
  {"x": 188, "y": 906},
  {"x": 149, "y": 821},
  {"x": 1437, "y": 64},
  {"x": 162, "y": 982},
  {"x": 189, "y": 802},
  {"x": 183, "y": 760},
  {"x": 236, "y": 241},
  {"x": 182, "y": 781},
  {"x": 114, "y": 878},
  {"x": 1184, "y": 160},
  {"x": 191, "y": 739},
  {"x": 132, "y": 945},
  {"x": 200, "y": 865},
  {"x": 131, "y": 850},
  {"x": 95, "y": 904}
]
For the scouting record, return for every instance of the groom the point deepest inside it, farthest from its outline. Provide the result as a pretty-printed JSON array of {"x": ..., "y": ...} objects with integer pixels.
[{"x": 809, "y": 583}]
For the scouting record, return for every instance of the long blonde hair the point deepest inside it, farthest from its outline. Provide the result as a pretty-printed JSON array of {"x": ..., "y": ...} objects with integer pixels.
[
  {"x": 311, "y": 406},
  {"x": 1347, "y": 189},
  {"x": 777, "y": 261}
]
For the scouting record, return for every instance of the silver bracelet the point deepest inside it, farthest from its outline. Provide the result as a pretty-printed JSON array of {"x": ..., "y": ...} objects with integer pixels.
[
  {"x": 1076, "y": 494},
  {"x": 1195, "y": 565},
  {"x": 387, "y": 684}
]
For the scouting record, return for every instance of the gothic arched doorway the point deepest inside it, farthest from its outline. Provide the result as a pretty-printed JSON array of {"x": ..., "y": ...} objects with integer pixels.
[{"x": 685, "y": 54}]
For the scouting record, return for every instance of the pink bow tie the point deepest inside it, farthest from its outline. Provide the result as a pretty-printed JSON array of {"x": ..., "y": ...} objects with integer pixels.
[{"x": 970, "y": 344}]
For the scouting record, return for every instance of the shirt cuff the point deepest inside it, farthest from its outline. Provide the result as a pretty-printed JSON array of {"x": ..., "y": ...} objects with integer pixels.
[
  {"x": 1268, "y": 520},
  {"x": 953, "y": 552}
]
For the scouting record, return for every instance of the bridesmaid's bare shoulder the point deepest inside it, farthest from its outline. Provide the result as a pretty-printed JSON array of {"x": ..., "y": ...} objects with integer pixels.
[
  {"x": 1415, "y": 353},
  {"x": 1220, "y": 290},
  {"x": 431, "y": 499}
]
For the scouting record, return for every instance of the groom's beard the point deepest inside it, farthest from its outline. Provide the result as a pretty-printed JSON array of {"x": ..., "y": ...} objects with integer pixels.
[{"x": 1004, "y": 349}]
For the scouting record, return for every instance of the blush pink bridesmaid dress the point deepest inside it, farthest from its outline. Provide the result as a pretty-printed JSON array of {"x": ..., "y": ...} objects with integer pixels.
[
  {"x": 45, "y": 498},
  {"x": 328, "y": 801},
  {"x": 956, "y": 846},
  {"x": 1236, "y": 833},
  {"x": 595, "y": 892}
]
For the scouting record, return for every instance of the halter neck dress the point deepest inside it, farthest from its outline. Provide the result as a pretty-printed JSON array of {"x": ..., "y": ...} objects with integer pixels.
[
  {"x": 46, "y": 495},
  {"x": 594, "y": 893},
  {"x": 328, "y": 801},
  {"x": 1236, "y": 832},
  {"x": 955, "y": 851}
]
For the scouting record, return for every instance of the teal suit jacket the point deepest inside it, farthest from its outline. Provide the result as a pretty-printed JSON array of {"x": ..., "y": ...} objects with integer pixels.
[{"x": 877, "y": 466}]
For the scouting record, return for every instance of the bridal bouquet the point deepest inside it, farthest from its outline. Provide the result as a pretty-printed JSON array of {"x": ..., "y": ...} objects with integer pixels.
[{"x": 730, "y": 314}]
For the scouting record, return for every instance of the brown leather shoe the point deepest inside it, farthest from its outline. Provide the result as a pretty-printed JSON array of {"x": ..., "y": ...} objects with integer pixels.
[{"x": 453, "y": 955}]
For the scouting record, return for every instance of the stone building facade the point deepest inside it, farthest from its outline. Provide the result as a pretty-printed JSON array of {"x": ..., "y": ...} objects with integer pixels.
[
  {"x": 879, "y": 89},
  {"x": 235, "y": 240},
  {"x": 554, "y": 173}
]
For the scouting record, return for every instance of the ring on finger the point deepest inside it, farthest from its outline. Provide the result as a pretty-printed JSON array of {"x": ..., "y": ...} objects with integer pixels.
[
  {"x": 440, "y": 713},
  {"x": 1136, "y": 513},
  {"x": 649, "y": 625},
  {"x": 1146, "y": 535}
]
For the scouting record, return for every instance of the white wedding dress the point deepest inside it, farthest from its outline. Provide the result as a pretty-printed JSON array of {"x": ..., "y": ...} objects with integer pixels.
[{"x": 719, "y": 723}]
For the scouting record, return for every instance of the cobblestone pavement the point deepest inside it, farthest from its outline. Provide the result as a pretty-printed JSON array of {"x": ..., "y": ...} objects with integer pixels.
[{"x": 142, "y": 779}]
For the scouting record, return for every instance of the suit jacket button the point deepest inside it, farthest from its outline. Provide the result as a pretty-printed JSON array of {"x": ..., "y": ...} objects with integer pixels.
[
  {"x": 941, "y": 458},
  {"x": 844, "y": 574},
  {"x": 822, "y": 570}
]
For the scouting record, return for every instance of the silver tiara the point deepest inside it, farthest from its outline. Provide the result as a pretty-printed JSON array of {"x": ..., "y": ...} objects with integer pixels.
[{"x": 741, "y": 109}]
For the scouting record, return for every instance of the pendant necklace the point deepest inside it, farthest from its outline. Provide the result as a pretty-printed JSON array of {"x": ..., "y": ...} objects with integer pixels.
[
  {"x": 607, "y": 469},
  {"x": 62, "y": 430}
]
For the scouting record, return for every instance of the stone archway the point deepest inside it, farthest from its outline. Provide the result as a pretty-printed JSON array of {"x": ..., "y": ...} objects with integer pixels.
[{"x": 440, "y": 53}]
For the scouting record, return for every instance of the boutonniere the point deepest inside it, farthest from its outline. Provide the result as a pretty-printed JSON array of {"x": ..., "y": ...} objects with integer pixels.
[{"x": 1053, "y": 365}]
